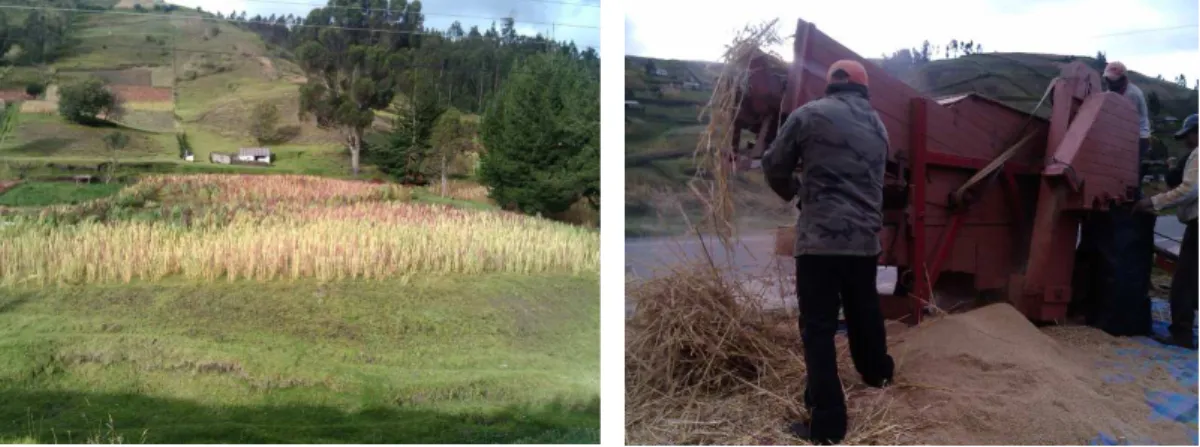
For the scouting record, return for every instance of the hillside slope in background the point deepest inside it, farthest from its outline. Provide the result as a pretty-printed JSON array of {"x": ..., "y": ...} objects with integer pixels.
[
  {"x": 661, "y": 131},
  {"x": 173, "y": 71}
]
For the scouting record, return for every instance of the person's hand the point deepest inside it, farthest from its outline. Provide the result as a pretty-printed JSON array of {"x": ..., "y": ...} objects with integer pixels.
[{"x": 1144, "y": 206}]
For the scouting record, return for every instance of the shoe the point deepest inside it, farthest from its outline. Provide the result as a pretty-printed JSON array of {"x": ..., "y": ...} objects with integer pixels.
[
  {"x": 803, "y": 431},
  {"x": 884, "y": 379},
  {"x": 1185, "y": 343}
]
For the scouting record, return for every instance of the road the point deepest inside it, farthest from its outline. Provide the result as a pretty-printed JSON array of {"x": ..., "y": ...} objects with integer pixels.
[{"x": 752, "y": 259}]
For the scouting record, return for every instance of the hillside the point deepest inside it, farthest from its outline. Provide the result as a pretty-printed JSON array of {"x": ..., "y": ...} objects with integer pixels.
[
  {"x": 173, "y": 71},
  {"x": 661, "y": 135}
]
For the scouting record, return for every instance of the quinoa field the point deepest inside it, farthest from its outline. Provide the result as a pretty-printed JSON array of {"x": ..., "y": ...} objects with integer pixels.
[{"x": 292, "y": 309}]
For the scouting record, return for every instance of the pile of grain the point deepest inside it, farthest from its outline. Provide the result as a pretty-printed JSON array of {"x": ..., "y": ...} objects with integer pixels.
[{"x": 991, "y": 377}]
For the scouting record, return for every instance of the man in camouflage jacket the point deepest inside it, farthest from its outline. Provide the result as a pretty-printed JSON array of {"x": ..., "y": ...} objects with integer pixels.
[{"x": 840, "y": 146}]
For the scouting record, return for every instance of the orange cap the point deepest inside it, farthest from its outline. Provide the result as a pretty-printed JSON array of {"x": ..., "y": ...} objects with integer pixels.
[
  {"x": 1114, "y": 70},
  {"x": 854, "y": 70}
]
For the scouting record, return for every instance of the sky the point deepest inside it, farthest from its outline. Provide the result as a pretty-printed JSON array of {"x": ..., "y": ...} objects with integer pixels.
[
  {"x": 1135, "y": 32},
  {"x": 576, "y": 20}
]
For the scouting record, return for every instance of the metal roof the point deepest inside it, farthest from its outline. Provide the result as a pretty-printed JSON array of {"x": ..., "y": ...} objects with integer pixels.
[{"x": 254, "y": 152}]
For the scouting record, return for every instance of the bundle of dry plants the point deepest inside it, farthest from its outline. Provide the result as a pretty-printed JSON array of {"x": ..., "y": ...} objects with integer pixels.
[
  {"x": 710, "y": 183},
  {"x": 705, "y": 364}
]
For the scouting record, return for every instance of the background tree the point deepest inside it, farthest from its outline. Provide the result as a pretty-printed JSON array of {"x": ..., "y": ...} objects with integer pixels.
[
  {"x": 405, "y": 152},
  {"x": 82, "y": 102},
  {"x": 1153, "y": 104},
  {"x": 264, "y": 121},
  {"x": 451, "y": 137},
  {"x": 1101, "y": 61},
  {"x": 35, "y": 89},
  {"x": 185, "y": 147},
  {"x": 542, "y": 137},
  {"x": 114, "y": 141},
  {"x": 352, "y": 73},
  {"x": 14, "y": 54}
]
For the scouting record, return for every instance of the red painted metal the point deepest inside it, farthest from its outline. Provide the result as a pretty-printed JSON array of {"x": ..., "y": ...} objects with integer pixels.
[
  {"x": 1165, "y": 263},
  {"x": 916, "y": 219},
  {"x": 1080, "y": 160}
]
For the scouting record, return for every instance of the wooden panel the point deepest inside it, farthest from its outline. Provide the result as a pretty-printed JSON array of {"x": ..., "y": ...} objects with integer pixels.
[{"x": 1002, "y": 124}]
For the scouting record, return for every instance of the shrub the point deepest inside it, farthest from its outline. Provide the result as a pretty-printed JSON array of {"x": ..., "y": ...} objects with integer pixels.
[
  {"x": 84, "y": 101},
  {"x": 35, "y": 89},
  {"x": 263, "y": 122}
]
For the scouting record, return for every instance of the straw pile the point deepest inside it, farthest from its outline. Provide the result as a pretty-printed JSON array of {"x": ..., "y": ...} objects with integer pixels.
[
  {"x": 705, "y": 365},
  {"x": 710, "y": 183}
]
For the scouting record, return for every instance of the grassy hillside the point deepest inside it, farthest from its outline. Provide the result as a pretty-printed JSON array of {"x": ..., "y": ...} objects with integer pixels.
[
  {"x": 661, "y": 136},
  {"x": 207, "y": 88}
]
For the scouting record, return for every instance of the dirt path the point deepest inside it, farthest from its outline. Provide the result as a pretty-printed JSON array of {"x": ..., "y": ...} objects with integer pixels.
[{"x": 268, "y": 68}]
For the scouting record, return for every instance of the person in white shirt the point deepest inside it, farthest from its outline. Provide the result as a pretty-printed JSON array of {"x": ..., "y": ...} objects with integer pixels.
[
  {"x": 1182, "y": 197},
  {"x": 1118, "y": 82}
]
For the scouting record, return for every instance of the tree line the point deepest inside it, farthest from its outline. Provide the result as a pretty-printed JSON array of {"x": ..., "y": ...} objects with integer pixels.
[
  {"x": 539, "y": 99},
  {"x": 470, "y": 63},
  {"x": 38, "y": 36}
]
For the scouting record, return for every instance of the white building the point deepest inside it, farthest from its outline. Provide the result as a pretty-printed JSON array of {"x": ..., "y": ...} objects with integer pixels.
[{"x": 254, "y": 155}]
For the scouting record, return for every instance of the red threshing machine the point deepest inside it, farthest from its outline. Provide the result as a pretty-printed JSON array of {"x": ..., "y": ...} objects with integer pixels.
[{"x": 979, "y": 196}]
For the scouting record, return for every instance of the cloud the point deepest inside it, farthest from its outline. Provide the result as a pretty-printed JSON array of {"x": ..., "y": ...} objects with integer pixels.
[{"x": 679, "y": 29}]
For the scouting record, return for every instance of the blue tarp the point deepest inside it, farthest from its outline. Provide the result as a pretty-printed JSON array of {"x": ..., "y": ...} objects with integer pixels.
[{"x": 1170, "y": 406}]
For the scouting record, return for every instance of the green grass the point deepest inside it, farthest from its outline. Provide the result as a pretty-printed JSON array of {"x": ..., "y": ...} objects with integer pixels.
[
  {"x": 496, "y": 359},
  {"x": 54, "y": 193}
]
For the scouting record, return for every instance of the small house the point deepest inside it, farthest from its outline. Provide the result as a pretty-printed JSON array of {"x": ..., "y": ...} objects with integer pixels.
[
  {"x": 189, "y": 157},
  {"x": 254, "y": 155},
  {"x": 217, "y": 157},
  {"x": 660, "y": 72}
]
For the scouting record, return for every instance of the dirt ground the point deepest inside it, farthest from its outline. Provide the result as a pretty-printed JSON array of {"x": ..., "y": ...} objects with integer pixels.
[{"x": 984, "y": 377}]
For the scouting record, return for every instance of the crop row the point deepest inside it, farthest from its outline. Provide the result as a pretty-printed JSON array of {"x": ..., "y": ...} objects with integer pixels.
[{"x": 356, "y": 241}]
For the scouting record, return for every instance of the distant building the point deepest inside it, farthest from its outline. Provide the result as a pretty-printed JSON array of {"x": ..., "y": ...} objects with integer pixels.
[
  {"x": 254, "y": 155},
  {"x": 217, "y": 157},
  {"x": 691, "y": 85},
  {"x": 660, "y": 72}
]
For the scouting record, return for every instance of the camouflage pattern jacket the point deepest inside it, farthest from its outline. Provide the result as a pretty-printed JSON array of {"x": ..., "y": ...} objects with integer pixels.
[{"x": 840, "y": 145}]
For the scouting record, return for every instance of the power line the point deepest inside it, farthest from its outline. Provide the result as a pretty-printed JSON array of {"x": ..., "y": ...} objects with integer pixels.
[
  {"x": 231, "y": 53},
  {"x": 556, "y": 2},
  {"x": 1143, "y": 31},
  {"x": 436, "y": 14},
  {"x": 215, "y": 19}
]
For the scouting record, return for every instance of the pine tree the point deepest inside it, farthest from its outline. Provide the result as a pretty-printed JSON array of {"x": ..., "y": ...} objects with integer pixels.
[{"x": 542, "y": 136}]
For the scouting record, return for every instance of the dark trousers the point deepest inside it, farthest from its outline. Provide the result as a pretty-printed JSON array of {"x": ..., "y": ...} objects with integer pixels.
[
  {"x": 1143, "y": 152},
  {"x": 1184, "y": 292},
  {"x": 823, "y": 285}
]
